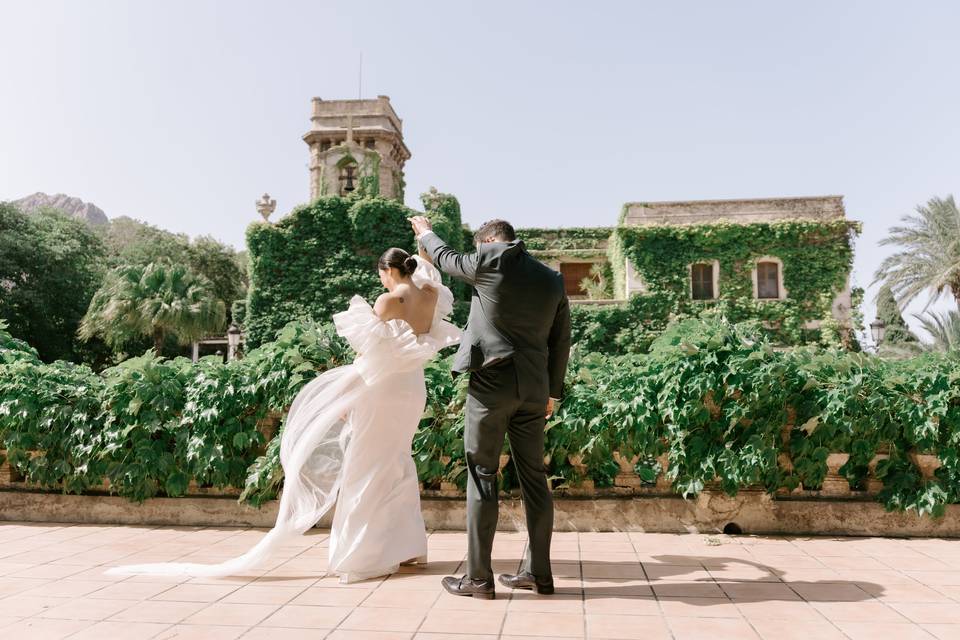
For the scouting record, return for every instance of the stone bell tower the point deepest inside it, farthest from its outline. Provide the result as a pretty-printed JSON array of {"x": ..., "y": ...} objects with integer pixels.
[{"x": 356, "y": 145}]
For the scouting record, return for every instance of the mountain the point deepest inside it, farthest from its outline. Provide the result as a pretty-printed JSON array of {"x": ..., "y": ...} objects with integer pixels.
[{"x": 73, "y": 207}]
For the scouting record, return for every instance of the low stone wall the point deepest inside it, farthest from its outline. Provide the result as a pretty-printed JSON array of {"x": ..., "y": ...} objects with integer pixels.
[{"x": 750, "y": 512}]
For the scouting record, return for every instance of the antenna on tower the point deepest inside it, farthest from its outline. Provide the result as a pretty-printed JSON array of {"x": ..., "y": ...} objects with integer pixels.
[{"x": 360, "y": 78}]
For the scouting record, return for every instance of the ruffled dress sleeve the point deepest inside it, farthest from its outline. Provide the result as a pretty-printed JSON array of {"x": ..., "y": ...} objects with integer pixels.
[
  {"x": 443, "y": 333},
  {"x": 387, "y": 347}
]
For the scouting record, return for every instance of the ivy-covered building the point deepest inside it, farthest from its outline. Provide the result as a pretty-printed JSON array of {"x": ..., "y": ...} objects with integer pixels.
[{"x": 783, "y": 261}]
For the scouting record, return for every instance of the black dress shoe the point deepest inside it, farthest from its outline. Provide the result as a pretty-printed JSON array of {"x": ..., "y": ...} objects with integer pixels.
[
  {"x": 469, "y": 587},
  {"x": 526, "y": 580}
]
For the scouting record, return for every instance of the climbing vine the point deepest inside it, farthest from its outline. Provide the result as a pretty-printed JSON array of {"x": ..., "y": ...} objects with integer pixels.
[
  {"x": 580, "y": 239},
  {"x": 310, "y": 263},
  {"x": 816, "y": 255},
  {"x": 816, "y": 258}
]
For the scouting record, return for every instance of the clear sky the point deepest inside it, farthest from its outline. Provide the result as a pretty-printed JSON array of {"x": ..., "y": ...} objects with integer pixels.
[{"x": 546, "y": 113}]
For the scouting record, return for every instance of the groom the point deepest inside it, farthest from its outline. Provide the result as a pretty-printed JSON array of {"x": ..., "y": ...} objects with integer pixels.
[{"x": 515, "y": 346}]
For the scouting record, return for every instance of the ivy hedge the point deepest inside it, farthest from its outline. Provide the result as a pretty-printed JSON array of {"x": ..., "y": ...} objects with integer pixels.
[
  {"x": 310, "y": 263},
  {"x": 151, "y": 424},
  {"x": 580, "y": 241},
  {"x": 627, "y": 327},
  {"x": 731, "y": 411},
  {"x": 726, "y": 408}
]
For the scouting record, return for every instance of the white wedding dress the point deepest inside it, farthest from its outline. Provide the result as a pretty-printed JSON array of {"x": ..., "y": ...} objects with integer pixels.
[{"x": 347, "y": 441}]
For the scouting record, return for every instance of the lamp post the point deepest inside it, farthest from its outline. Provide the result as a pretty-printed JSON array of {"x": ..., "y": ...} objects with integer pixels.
[
  {"x": 878, "y": 328},
  {"x": 265, "y": 206},
  {"x": 233, "y": 341}
]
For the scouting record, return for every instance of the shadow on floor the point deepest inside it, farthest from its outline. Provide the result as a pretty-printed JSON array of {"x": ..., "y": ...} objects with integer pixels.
[{"x": 665, "y": 580}]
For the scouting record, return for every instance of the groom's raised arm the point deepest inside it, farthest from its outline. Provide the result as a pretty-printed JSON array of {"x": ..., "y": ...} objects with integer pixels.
[{"x": 452, "y": 262}]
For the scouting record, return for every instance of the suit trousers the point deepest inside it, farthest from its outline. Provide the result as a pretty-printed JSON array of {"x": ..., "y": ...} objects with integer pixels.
[{"x": 495, "y": 407}]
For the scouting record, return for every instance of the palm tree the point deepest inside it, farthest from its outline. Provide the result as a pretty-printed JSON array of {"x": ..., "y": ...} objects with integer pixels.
[
  {"x": 597, "y": 285},
  {"x": 155, "y": 299},
  {"x": 930, "y": 255},
  {"x": 944, "y": 328}
]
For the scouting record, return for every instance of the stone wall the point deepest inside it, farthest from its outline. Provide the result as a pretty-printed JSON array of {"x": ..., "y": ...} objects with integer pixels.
[
  {"x": 742, "y": 211},
  {"x": 750, "y": 512}
]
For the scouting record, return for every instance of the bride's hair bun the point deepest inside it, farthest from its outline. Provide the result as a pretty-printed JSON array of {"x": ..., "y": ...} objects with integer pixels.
[
  {"x": 410, "y": 264},
  {"x": 397, "y": 259}
]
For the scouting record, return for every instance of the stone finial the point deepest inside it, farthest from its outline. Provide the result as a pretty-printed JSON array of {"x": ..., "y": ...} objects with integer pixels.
[{"x": 265, "y": 206}]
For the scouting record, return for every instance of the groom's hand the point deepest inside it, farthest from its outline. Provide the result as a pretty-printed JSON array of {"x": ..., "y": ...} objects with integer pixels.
[
  {"x": 420, "y": 225},
  {"x": 550, "y": 403}
]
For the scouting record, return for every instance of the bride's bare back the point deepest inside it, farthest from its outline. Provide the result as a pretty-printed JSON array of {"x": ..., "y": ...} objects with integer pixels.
[{"x": 407, "y": 302}]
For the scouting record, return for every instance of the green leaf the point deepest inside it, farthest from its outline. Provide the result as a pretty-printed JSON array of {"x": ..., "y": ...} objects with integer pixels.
[
  {"x": 647, "y": 474},
  {"x": 176, "y": 484}
]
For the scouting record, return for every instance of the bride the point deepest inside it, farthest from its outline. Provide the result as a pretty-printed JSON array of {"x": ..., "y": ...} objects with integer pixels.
[{"x": 348, "y": 434}]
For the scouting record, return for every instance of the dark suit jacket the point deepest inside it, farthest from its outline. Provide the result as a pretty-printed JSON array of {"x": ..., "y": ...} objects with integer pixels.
[{"x": 519, "y": 310}]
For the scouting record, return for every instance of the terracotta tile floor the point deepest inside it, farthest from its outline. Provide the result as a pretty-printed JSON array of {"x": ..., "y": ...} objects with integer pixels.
[{"x": 609, "y": 585}]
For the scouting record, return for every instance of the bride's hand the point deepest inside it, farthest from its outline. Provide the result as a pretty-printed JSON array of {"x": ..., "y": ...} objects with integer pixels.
[{"x": 420, "y": 224}]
